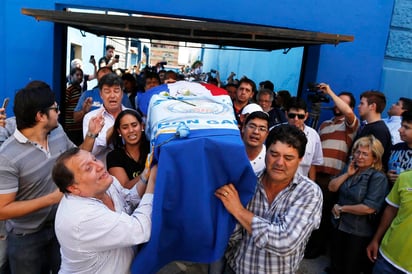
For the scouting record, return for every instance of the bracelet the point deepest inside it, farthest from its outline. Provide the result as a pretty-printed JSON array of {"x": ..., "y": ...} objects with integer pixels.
[
  {"x": 92, "y": 135},
  {"x": 144, "y": 181}
]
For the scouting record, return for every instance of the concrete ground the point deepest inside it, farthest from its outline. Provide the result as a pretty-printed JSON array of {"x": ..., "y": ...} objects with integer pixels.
[{"x": 312, "y": 266}]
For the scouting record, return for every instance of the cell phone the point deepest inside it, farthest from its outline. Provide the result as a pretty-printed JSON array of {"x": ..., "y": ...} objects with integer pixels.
[
  {"x": 91, "y": 58},
  {"x": 5, "y": 102},
  {"x": 117, "y": 56}
]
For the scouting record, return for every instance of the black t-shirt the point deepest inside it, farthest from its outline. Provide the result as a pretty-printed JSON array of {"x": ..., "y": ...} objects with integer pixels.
[
  {"x": 119, "y": 158},
  {"x": 401, "y": 153},
  {"x": 381, "y": 132}
]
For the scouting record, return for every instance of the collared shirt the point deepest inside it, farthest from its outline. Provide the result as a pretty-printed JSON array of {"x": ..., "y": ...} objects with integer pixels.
[
  {"x": 95, "y": 239},
  {"x": 25, "y": 169},
  {"x": 100, "y": 147},
  {"x": 258, "y": 164},
  {"x": 394, "y": 123},
  {"x": 369, "y": 188},
  {"x": 280, "y": 230},
  {"x": 396, "y": 244},
  {"x": 313, "y": 152}
]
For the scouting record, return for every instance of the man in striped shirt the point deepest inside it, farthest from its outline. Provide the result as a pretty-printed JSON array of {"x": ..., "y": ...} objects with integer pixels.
[
  {"x": 274, "y": 227},
  {"x": 336, "y": 137}
]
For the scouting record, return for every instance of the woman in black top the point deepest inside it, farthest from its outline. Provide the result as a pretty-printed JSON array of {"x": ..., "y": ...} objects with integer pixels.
[{"x": 127, "y": 161}]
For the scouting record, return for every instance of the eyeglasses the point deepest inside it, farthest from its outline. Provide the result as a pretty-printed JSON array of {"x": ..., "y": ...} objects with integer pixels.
[
  {"x": 293, "y": 115},
  {"x": 56, "y": 108},
  {"x": 253, "y": 127}
]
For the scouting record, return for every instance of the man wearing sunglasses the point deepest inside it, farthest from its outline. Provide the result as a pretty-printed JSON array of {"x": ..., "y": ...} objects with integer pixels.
[{"x": 296, "y": 114}]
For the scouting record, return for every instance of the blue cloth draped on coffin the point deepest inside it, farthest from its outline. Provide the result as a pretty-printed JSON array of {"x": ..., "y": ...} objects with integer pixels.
[{"x": 188, "y": 222}]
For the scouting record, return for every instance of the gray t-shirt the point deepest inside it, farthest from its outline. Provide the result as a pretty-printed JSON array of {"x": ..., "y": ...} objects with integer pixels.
[{"x": 25, "y": 169}]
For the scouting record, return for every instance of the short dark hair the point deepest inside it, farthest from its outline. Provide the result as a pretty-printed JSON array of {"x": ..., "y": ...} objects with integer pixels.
[
  {"x": 290, "y": 135},
  {"x": 36, "y": 96},
  {"x": 297, "y": 103},
  {"x": 375, "y": 97},
  {"x": 110, "y": 79},
  {"x": 128, "y": 77},
  {"x": 248, "y": 81},
  {"x": 407, "y": 103},
  {"x": 352, "y": 101},
  {"x": 267, "y": 85},
  {"x": 407, "y": 116},
  {"x": 257, "y": 115},
  {"x": 109, "y": 47},
  {"x": 150, "y": 75},
  {"x": 62, "y": 176}
]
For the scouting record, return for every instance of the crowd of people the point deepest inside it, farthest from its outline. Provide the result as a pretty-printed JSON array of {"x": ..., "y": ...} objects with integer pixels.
[{"x": 78, "y": 197}]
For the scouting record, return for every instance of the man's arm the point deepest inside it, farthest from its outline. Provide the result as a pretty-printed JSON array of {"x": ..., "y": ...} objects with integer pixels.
[
  {"x": 94, "y": 126},
  {"x": 299, "y": 219},
  {"x": 230, "y": 199},
  {"x": 388, "y": 215},
  {"x": 85, "y": 108},
  {"x": 10, "y": 208},
  {"x": 346, "y": 110}
]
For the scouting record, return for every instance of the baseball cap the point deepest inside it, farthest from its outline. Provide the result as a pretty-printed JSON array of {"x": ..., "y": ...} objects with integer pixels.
[{"x": 251, "y": 108}]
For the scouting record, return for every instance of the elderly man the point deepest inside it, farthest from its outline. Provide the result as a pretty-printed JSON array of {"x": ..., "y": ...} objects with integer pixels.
[
  {"x": 274, "y": 227},
  {"x": 111, "y": 92},
  {"x": 97, "y": 224}
]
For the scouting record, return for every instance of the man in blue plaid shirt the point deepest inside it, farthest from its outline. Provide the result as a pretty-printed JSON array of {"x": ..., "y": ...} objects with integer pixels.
[{"x": 274, "y": 228}]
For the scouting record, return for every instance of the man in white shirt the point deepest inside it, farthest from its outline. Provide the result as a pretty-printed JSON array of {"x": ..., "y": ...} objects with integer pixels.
[
  {"x": 111, "y": 92},
  {"x": 296, "y": 113},
  {"x": 96, "y": 223},
  {"x": 393, "y": 122},
  {"x": 254, "y": 133}
]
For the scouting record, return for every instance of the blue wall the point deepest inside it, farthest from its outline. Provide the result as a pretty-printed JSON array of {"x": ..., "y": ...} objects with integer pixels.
[{"x": 30, "y": 50}]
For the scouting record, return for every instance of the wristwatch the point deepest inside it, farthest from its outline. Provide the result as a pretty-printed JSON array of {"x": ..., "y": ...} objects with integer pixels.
[{"x": 92, "y": 135}]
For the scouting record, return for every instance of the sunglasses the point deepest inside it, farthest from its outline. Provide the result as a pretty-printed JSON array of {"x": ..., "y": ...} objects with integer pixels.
[{"x": 293, "y": 115}]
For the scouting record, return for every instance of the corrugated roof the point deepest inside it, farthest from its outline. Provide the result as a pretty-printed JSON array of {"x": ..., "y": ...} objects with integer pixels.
[{"x": 175, "y": 29}]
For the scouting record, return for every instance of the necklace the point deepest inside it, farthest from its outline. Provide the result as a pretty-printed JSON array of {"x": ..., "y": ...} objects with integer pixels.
[{"x": 130, "y": 155}]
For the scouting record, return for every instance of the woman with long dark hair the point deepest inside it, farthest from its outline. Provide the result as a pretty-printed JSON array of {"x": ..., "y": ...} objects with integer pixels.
[{"x": 127, "y": 161}]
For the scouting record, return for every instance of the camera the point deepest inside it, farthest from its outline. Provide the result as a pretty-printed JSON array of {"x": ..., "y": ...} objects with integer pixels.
[
  {"x": 117, "y": 56},
  {"x": 164, "y": 63},
  {"x": 316, "y": 95}
]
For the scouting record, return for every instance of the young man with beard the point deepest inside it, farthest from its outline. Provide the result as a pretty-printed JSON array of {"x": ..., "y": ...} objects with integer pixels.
[
  {"x": 254, "y": 133},
  {"x": 28, "y": 195}
]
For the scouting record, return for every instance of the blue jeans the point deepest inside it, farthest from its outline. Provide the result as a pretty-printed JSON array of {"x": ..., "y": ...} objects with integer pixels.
[
  {"x": 382, "y": 266},
  {"x": 34, "y": 253}
]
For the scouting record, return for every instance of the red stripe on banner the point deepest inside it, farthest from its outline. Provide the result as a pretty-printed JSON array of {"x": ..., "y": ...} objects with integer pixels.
[{"x": 214, "y": 90}]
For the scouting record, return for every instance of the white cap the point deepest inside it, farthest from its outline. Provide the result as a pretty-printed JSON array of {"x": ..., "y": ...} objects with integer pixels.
[{"x": 248, "y": 109}]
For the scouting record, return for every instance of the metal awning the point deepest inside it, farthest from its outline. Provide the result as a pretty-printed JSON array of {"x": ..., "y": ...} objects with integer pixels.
[{"x": 175, "y": 29}]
